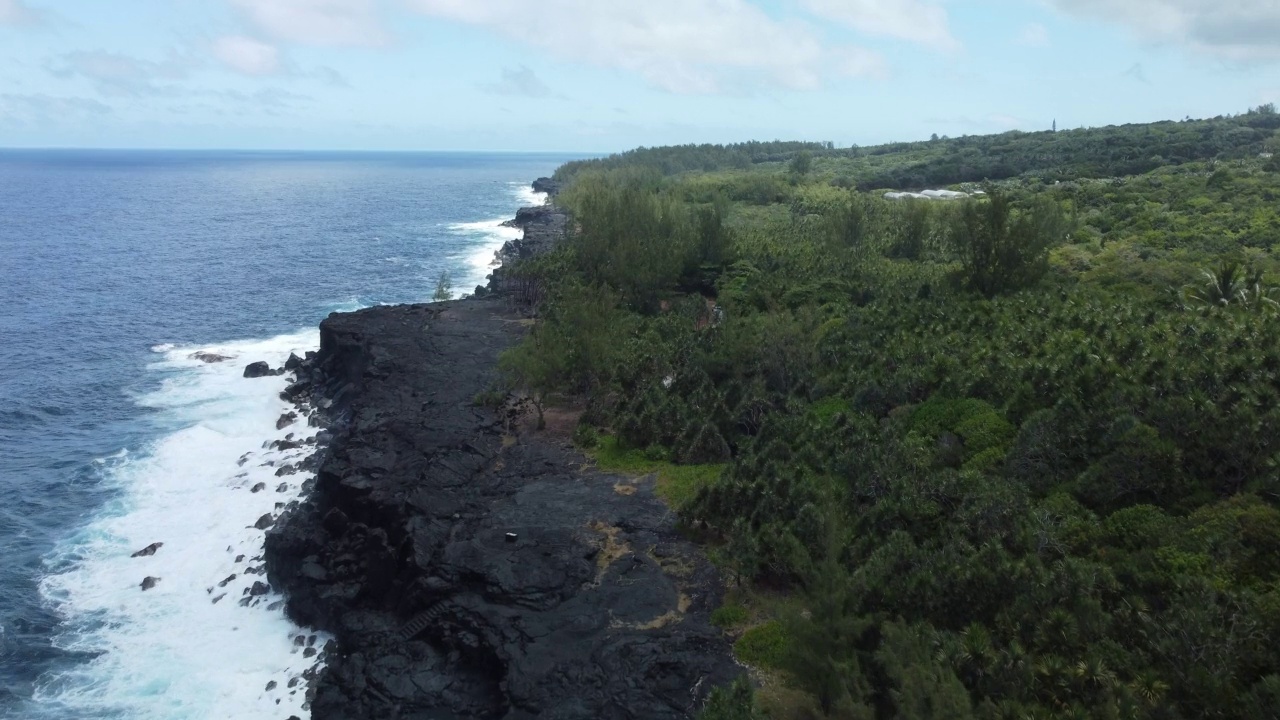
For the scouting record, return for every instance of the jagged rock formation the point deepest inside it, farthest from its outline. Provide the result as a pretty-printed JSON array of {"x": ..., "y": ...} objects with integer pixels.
[
  {"x": 544, "y": 226},
  {"x": 471, "y": 571}
]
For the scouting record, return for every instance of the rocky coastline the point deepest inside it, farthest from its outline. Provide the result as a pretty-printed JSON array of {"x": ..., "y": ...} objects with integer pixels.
[{"x": 467, "y": 565}]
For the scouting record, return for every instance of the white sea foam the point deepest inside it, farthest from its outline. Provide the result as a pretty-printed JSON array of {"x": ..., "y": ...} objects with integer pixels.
[
  {"x": 170, "y": 652},
  {"x": 488, "y": 237},
  {"x": 162, "y": 348},
  {"x": 528, "y": 196},
  {"x": 480, "y": 259}
]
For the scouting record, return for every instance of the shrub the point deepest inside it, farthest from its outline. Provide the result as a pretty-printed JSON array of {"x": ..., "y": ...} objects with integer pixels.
[
  {"x": 727, "y": 616},
  {"x": 586, "y": 436},
  {"x": 735, "y": 702},
  {"x": 763, "y": 646}
]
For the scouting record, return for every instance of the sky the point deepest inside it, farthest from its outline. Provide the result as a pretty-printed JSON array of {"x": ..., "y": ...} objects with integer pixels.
[{"x": 608, "y": 75}]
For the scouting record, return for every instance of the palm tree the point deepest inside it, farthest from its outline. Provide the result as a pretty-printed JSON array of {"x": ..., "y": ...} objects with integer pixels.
[{"x": 1231, "y": 285}]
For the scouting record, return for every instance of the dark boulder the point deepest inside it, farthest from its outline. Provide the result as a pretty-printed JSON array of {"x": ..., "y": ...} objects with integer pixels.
[
  {"x": 148, "y": 550},
  {"x": 149, "y": 582},
  {"x": 286, "y": 420},
  {"x": 264, "y": 522},
  {"x": 210, "y": 358},
  {"x": 336, "y": 521},
  {"x": 258, "y": 369},
  {"x": 294, "y": 392}
]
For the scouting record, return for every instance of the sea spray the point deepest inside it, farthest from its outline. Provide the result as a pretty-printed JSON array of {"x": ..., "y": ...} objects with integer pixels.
[
  {"x": 203, "y": 641},
  {"x": 487, "y": 237}
]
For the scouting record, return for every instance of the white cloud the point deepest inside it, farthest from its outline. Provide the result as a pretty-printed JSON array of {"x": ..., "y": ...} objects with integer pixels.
[
  {"x": 1137, "y": 72},
  {"x": 1033, "y": 35},
  {"x": 316, "y": 22},
  {"x": 920, "y": 21},
  {"x": 45, "y": 110},
  {"x": 17, "y": 12},
  {"x": 246, "y": 55},
  {"x": 264, "y": 101},
  {"x": 684, "y": 46},
  {"x": 521, "y": 82},
  {"x": 1235, "y": 30},
  {"x": 1007, "y": 122},
  {"x": 122, "y": 75},
  {"x": 330, "y": 77}
]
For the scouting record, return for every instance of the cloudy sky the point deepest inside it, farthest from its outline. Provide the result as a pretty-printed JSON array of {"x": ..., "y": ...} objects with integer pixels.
[{"x": 604, "y": 75}]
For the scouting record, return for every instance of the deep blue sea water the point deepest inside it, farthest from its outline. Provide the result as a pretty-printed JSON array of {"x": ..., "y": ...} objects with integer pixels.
[{"x": 115, "y": 268}]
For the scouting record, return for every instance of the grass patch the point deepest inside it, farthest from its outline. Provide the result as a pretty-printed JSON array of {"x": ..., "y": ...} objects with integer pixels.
[
  {"x": 677, "y": 484},
  {"x": 763, "y": 646},
  {"x": 727, "y": 616}
]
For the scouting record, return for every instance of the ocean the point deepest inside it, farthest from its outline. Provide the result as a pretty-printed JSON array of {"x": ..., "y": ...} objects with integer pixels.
[{"x": 116, "y": 268}]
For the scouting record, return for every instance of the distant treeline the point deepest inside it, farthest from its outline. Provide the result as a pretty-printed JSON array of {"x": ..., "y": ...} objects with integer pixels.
[
  {"x": 678, "y": 159},
  {"x": 1112, "y": 151}
]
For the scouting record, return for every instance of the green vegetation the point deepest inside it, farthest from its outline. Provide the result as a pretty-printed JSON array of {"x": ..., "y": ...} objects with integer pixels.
[
  {"x": 728, "y": 616},
  {"x": 444, "y": 287},
  {"x": 676, "y": 484},
  {"x": 764, "y": 645},
  {"x": 736, "y": 702},
  {"x": 1016, "y": 456}
]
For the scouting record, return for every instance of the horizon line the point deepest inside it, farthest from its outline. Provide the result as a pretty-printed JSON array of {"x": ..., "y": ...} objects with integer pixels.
[{"x": 71, "y": 148}]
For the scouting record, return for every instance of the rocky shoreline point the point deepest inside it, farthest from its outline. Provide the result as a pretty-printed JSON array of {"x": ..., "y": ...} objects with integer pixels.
[{"x": 466, "y": 565}]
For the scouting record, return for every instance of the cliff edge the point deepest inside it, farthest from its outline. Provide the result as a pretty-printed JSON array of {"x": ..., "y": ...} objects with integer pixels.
[{"x": 469, "y": 567}]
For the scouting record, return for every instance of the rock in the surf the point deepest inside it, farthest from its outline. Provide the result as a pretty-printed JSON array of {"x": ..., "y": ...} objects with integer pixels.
[
  {"x": 264, "y": 522},
  {"x": 208, "y": 357},
  {"x": 149, "y": 550},
  {"x": 257, "y": 370},
  {"x": 295, "y": 391},
  {"x": 149, "y": 582}
]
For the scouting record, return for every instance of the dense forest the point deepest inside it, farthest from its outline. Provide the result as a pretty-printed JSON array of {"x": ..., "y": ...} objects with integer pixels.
[{"x": 1011, "y": 456}]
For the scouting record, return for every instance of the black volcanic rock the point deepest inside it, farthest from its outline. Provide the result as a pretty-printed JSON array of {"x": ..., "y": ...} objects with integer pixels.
[
  {"x": 526, "y": 216},
  {"x": 546, "y": 185},
  {"x": 149, "y": 550},
  {"x": 544, "y": 227},
  {"x": 595, "y": 609},
  {"x": 258, "y": 369}
]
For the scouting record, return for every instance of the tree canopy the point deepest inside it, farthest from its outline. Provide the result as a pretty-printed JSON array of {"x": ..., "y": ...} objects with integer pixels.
[{"x": 1010, "y": 456}]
